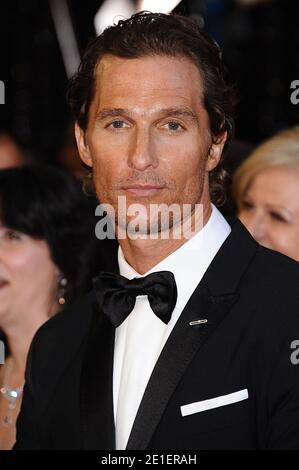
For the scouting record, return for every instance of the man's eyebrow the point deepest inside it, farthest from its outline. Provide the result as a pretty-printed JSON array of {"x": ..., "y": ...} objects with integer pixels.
[
  {"x": 112, "y": 112},
  {"x": 164, "y": 112},
  {"x": 179, "y": 112}
]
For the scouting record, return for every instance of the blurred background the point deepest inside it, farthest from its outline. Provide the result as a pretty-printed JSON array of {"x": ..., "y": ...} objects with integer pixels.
[{"x": 42, "y": 42}]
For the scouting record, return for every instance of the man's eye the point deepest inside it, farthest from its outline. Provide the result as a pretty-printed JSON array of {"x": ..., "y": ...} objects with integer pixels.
[
  {"x": 174, "y": 126},
  {"x": 117, "y": 124}
]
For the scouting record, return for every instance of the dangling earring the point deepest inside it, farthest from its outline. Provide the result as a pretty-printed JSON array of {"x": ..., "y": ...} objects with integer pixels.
[{"x": 62, "y": 289}]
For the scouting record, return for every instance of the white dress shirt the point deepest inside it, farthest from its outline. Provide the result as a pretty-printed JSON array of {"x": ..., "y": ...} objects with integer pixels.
[{"x": 139, "y": 340}]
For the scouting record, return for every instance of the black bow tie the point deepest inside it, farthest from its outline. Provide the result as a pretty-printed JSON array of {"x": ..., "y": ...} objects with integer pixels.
[{"x": 117, "y": 294}]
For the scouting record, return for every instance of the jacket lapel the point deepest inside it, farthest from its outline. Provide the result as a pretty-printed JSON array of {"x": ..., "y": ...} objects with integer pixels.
[
  {"x": 211, "y": 301},
  {"x": 96, "y": 385}
]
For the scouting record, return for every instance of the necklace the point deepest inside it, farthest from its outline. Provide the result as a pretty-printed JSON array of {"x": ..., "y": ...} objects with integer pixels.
[{"x": 13, "y": 395}]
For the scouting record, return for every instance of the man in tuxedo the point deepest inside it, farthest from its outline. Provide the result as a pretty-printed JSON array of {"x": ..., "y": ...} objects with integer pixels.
[{"x": 190, "y": 346}]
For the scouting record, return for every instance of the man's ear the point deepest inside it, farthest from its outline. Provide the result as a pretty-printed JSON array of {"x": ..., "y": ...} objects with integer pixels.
[
  {"x": 216, "y": 152},
  {"x": 82, "y": 145}
]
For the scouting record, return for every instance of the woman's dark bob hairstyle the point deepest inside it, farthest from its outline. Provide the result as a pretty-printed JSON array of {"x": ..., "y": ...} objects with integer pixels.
[{"x": 46, "y": 203}]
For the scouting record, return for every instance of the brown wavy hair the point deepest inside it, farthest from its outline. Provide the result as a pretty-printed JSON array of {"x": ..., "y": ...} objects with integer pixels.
[{"x": 149, "y": 34}]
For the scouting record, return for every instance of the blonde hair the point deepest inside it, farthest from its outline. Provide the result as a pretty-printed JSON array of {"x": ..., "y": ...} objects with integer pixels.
[{"x": 282, "y": 150}]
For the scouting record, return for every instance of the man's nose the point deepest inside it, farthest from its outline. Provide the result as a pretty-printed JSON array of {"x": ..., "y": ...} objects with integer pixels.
[{"x": 142, "y": 150}]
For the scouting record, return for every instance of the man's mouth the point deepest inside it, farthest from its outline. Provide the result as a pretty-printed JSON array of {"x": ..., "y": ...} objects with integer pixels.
[{"x": 142, "y": 189}]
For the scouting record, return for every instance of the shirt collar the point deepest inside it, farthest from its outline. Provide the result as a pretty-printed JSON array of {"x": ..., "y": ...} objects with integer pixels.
[{"x": 190, "y": 261}]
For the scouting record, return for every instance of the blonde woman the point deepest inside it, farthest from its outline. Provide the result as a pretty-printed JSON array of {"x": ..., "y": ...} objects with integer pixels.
[{"x": 266, "y": 191}]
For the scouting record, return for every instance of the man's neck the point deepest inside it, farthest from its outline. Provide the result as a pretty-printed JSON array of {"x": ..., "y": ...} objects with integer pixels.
[{"x": 142, "y": 255}]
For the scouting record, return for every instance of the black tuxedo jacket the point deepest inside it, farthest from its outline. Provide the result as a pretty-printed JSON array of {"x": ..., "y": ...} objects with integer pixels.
[{"x": 250, "y": 299}]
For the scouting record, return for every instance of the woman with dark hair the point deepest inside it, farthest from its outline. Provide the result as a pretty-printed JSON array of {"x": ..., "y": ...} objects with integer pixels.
[{"x": 48, "y": 256}]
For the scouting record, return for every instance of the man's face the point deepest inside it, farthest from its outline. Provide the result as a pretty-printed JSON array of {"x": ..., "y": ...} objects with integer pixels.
[{"x": 148, "y": 134}]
